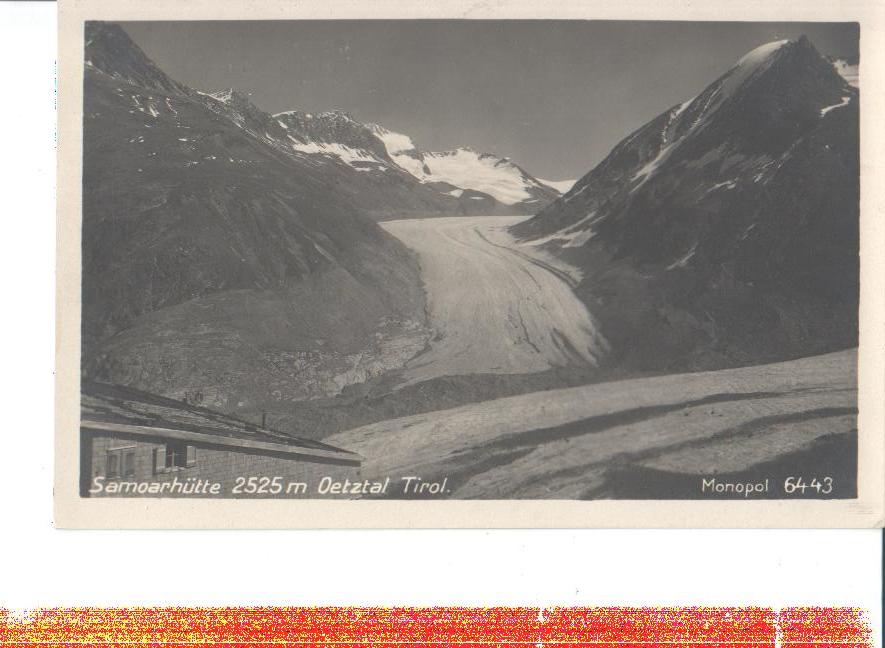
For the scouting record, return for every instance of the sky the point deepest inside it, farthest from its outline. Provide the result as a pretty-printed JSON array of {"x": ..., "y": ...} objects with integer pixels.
[{"x": 554, "y": 96}]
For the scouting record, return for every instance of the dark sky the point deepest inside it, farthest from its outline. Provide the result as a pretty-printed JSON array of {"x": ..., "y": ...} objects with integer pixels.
[{"x": 555, "y": 96}]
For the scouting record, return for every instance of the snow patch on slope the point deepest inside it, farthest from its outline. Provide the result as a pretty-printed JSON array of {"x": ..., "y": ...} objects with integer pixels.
[
  {"x": 847, "y": 72},
  {"x": 562, "y": 186},
  {"x": 346, "y": 154},
  {"x": 666, "y": 147},
  {"x": 393, "y": 142},
  {"x": 844, "y": 102},
  {"x": 682, "y": 261},
  {"x": 401, "y": 150},
  {"x": 728, "y": 184},
  {"x": 572, "y": 235}
]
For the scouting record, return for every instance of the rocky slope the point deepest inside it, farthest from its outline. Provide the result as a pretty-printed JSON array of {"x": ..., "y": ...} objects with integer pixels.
[
  {"x": 220, "y": 265},
  {"x": 724, "y": 231}
]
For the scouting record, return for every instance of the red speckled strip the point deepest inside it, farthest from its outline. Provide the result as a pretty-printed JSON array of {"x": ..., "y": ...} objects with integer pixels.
[{"x": 701, "y": 627}]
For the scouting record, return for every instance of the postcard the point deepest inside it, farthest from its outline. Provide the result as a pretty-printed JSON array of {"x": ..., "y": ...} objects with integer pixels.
[{"x": 387, "y": 265}]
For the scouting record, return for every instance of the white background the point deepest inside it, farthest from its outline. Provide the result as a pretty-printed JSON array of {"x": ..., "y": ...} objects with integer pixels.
[{"x": 42, "y": 566}]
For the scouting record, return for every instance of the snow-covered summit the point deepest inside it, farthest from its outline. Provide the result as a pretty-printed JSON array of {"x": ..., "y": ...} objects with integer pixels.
[
  {"x": 734, "y": 130},
  {"x": 465, "y": 168},
  {"x": 759, "y": 54},
  {"x": 750, "y": 65}
]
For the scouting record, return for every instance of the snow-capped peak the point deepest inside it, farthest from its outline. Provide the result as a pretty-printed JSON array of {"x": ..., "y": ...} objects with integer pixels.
[
  {"x": 756, "y": 56},
  {"x": 464, "y": 167},
  {"x": 750, "y": 64}
]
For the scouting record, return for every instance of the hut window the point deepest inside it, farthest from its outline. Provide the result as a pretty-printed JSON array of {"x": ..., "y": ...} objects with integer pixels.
[
  {"x": 120, "y": 463},
  {"x": 159, "y": 460},
  {"x": 129, "y": 463},
  {"x": 113, "y": 465},
  {"x": 174, "y": 455}
]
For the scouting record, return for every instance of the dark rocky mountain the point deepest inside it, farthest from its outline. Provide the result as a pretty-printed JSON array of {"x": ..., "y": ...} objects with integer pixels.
[
  {"x": 109, "y": 49},
  {"x": 724, "y": 231},
  {"x": 333, "y": 127},
  {"x": 220, "y": 265}
]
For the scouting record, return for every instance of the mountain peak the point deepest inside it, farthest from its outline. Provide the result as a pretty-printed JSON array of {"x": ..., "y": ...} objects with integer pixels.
[
  {"x": 774, "y": 95},
  {"x": 759, "y": 54},
  {"x": 98, "y": 30},
  {"x": 110, "y": 50},
  {"x": 795, "y": 69},
  {"x": 774, "y": 54}
]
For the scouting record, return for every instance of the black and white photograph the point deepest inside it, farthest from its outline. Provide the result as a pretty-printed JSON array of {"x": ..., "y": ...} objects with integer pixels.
[{"x": 442, "y": 259}]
